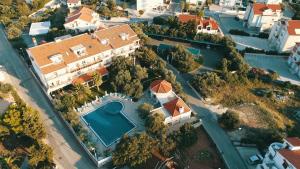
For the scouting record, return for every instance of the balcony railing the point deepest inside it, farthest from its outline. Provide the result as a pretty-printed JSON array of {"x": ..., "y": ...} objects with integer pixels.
[{"x": 85, "y": 66}]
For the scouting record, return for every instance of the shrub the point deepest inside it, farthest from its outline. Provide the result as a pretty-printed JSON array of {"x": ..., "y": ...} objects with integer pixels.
[
  {"x": 144, "y": 110},
  {"x": 230, "y": 120},
  {"x": 238, "y": 32}
]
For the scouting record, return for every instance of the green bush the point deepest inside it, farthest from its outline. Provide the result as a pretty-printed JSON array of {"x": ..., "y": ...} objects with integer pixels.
[
  {"x": 230, "y": 120},
  {"x": 144, "y": 110},
  {"x": 238, "y": 32}
]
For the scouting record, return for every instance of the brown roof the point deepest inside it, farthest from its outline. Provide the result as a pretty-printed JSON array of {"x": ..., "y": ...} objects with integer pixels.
[
  {"x": 292, "y": 26},
  {"x": 161, "y": 86},
  {"x": 89, "y": 76},
  {"x": 295, "y": 141},
  {"x": 292, "y": 156},
  {"x": 85, "y": 14},
  {"x": 204, "y": 22},
  {"x": 259, "y": 8},
  {"x": 93, "y": 46},
  {"x": 174, "y": 105},
  {"x": 73, "y": 1}
]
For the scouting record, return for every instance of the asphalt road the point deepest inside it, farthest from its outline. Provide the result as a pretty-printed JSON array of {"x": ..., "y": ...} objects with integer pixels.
[
  {"x": 68, "y": 154},
  {"x": 228, "y": 152}
]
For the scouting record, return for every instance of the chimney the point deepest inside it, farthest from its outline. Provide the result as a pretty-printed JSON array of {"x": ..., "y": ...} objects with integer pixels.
[
  {"x": 181, "y": 110},
  {"x": 34, "y": 41}
]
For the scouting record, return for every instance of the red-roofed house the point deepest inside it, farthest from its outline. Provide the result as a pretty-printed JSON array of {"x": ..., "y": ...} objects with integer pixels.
[
  {"x": 294, "y": 60},
  {"x": 204, "y": 25},
  {"x": 73, "y": 3},
  {"x": 171, "y": 106},
  {"x": 285, "y": 34},
  {"x": 82, "y": 20},
  {"x": 284, "y": 155},
  {"x": 262, "y": 16}
]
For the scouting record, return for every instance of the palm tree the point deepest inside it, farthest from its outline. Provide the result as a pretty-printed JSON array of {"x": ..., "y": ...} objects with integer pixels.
[{"x": 97, "y": 79}]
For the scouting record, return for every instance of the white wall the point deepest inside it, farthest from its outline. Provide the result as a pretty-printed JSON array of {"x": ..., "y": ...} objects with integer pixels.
[{"x": 148, "y": 4}]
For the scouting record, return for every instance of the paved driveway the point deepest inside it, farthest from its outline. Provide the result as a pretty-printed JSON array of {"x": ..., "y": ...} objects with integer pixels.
[
  {"x": 68, "y": 153},
  {"x": 275, "y": 63}
]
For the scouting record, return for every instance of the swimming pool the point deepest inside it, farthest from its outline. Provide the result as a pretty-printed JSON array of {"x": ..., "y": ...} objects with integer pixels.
[{"x": 108, "y": 122}]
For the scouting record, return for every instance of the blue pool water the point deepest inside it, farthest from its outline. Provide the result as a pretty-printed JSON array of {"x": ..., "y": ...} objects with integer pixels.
[{"x": 108, "y": 122}]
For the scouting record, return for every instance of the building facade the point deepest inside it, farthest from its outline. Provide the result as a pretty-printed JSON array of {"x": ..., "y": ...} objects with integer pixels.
[
  {"x": 269, "y": 1},
  {"x": 60, "y": 63},
  {"x": 171, "y": 106},
  {"x": 82, "y": 20},
  {"x": 148, "y": 5},
  {"x": 73, "y": 3},
  {"x": 284, "y": 35},
  {"x": 294, "y": 60},
  {"x": 204, "y": 25},
  {"x": 284, "y": 155},
  {"x": 262, "y": 16},
  {"x": 231, "y": 3}
]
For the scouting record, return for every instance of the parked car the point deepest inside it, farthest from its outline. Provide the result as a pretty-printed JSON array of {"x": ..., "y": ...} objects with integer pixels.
[{"x": 255, "y": 159}]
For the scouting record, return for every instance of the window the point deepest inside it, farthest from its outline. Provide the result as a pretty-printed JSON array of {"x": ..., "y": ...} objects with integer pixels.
[{"x": 285, "y": 164}]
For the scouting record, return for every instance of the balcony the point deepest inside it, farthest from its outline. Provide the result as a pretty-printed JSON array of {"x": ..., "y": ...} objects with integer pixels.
[{"x": 85, "y": 66}]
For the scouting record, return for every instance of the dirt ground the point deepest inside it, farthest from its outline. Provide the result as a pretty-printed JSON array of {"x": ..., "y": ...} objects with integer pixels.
[{"x": 204, "y": 144}]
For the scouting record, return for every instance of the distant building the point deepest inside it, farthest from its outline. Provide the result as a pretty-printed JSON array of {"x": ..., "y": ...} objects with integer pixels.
[
  {"x": 195, "y": 2},
  {"x": 83, "y": 19},
  {"x": 284, "y": 35},
  {"x": 39, "y": 28},
  {"x": 262, "y": 16},
  {"x": 231, "y": 3},
  {"x": 148, "y": 5},
  {"x": 284, "y": 155},
  {"x": 73, "y": 3},
  {"x": 204, "y": 25},
  {"x": 171, "y": 106},
  {"x": 71, "y": 60},
  {"x": 269, "y": 1},
  {"x": 294, "y": 60}
]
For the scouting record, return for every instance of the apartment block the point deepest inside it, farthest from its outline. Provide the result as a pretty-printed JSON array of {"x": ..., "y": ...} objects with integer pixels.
[
  {"x": 294, "y": 60},
  {"x": 284, "y": 35},
  {"x": 60, "y": 63}
]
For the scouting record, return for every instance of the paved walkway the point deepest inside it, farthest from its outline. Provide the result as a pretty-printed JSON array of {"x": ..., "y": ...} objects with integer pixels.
[
  {"x": 228, "y": 152},
  {"x": 68, "y": 153}
]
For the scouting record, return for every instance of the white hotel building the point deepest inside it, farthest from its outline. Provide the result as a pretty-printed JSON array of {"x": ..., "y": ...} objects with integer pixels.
[
  {"x": 284, "y": 155},
  {"x": 284, "y": 35},
  {"x": 64, "y": 61},
  {"x": 294, "y": 60}
]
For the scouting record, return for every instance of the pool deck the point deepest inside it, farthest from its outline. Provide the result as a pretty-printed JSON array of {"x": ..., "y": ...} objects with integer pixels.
[{"x": 129, "y": 111}]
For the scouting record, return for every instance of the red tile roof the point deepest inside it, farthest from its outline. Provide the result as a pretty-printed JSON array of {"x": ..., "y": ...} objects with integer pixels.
[
  {"x": 292, "y": 156},
  {"x": 161, "y": 86},
  {"x": 89, "y": 76},
  {"x": 259, "y": 8},
  {"x": 85, "y": 14},
  {"x": 174, "y": 106},
  {"x": 204, "y": 22},
  {"x": 292, "y": 26},
  {"x": 73, "y": 1},
  {"x": 295, "y": 141}
]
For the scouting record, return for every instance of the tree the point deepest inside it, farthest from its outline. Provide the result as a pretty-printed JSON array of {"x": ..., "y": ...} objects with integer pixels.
[
  {"x": 124, "y": 5},
  {"x": 69, "y": 101},
  {"x": 155, "y": 125},
  {"x": 133, "y": 151},
  {"x": 182, "y": 5},
  {"x": 13, "y": 32},
  {"x": 97, "y": 78},
  {"x": 147, "y": 57},
  {"x": 23, "y": 9},
  {"x": 32, "y": 124},
  {"x": 200, "y": 13},
  {"x": 208, "y": 2},
  {"x": 186, "y": 136},
  {"x": 141, "y": 12},
  {"x": 6, "y": 2},
  {"x": 230, "y": 120},
  {"x": 144, "y": 110},
  {"x": 13, "y": 119},
  {"x": 111, "y": 4},
  {"x": 41, "y": 156},
  {"x": 187, "y": 6},
  {"x": 166, "y": 145}
]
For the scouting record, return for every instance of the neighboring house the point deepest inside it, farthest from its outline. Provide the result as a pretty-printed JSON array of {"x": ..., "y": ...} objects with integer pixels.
[
  {"x": 231, "y": 3},
  {"x": 269, "y": 1},
  {"x": 171, "y": 106},
  {"x": 204, "y": 25},
  {"x": 73, "y": 3},
  {"x": 284, "y": 35},
  {"x": 148, "y": 5},
  {"x": 284, "y": 155},
  {"x": 62, "y": 62},
  {"x": 262, "y": 16},
  {"x": 294, "y": 60},
  {"x": 83, "y": 19},
  {"x": 39, "y": 28}
]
